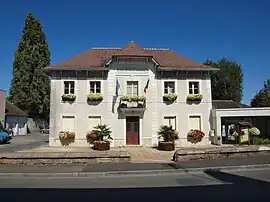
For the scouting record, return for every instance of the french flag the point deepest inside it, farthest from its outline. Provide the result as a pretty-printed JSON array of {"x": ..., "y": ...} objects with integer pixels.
[{"x": 146, "y": 86}]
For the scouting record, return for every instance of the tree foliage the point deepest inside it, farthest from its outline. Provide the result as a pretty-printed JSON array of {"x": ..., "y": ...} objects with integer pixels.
[
  {"x": 227, "y": 84},
  {"x": 30, "y": 86},
  {"x": 262, "y": 98}
]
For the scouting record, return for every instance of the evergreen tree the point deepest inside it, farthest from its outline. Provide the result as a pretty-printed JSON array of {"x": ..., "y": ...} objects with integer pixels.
[
  {"x": 262, "y": 98},
  {"x": 227, "y": 84},
  {"x": 30, "y": 86}
]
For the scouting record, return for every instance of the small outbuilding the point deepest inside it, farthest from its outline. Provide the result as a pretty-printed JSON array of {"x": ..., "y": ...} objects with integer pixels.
[
  {"x": 15, "y": 119},
  {"x": 226, "y": 114}
]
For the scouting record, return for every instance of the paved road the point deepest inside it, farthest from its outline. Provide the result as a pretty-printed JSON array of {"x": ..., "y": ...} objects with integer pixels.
[
  {"x": 19, "y": 143},
  {"x": 207, "y": 186}
]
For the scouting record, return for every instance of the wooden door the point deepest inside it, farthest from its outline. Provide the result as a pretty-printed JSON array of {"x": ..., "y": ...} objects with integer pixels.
[{"x": 132, "y": 130}]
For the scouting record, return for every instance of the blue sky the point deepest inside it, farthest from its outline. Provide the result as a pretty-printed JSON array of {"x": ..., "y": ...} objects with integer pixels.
[{"x": 237, "y": 29}]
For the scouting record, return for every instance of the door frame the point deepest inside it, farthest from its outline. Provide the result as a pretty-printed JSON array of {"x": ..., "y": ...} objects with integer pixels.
[{"x": 140, "y": 130}]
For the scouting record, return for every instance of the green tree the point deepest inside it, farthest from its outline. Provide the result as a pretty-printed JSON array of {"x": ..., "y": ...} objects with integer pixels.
[
  {"x": 262, "y": 98},
  {"x": 227, "y": 84},
  {"x": 30, "y": 86}
]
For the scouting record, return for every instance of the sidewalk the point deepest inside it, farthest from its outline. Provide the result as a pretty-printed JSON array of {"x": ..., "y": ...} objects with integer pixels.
[
  {"x": 85, "y": 155},
  {"x": 121, "y": 168}
]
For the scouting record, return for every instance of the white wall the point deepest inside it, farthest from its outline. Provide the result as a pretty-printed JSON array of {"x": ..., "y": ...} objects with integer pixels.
[
  {"x": 2, "y": 107},
  {"x": 153, "y": 116}
]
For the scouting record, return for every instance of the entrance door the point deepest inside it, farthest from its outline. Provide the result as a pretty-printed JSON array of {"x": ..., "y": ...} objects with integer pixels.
[{"x": 132, "y": 130}]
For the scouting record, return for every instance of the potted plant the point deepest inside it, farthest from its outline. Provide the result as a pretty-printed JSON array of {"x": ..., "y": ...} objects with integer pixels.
[
  {"x": 90, "y": 137},
  {"x": 66, "y": 137},
  {"x": 253, "y": 132},
  {"x": 132, "y": 101},
  {"x": 195, "y": 135},
  {"x": 68, "y": 97},
  {"x": 169, "y": 135},
  {"x": 101, "y": 134}
]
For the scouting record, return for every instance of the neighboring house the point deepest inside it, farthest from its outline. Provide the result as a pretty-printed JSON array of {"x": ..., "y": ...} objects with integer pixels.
[
  {"x": 2, "y": 108},
  {"x": 16, "y": 119},
  {"x": 130, "y": 71}
]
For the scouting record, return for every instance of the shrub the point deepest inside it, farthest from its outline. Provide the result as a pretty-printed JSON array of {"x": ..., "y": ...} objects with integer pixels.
[{"x": 168, "y": 133}]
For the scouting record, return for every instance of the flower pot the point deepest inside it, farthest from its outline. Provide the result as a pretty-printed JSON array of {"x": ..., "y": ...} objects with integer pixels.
[
  {"x": 166, "y": 146},
  {"x": 101, "y": 145}
]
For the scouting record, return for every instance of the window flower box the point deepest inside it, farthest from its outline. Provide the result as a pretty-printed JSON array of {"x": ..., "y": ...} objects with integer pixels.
[
  {"x": 94, "y": 97},
  {"x": 132, "y": 101},
  {"x": 68, "y": 97},
  {"x": 194, "y": 97},
  {"x": 170, "y": 97}
]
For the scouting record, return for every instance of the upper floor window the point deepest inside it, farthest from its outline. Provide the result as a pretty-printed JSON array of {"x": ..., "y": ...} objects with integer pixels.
[
  {"x": 132, "y": 88},
  {"x": 194, "y": 87},
  {"x": 169, "y": 87},
  {"x": 69, "y": 87},
  {"x": 95, "y": 86}
]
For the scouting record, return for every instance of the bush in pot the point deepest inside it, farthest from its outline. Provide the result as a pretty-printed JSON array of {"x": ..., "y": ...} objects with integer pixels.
[
  {"x": 169, "y": 135},
  {"x": 101, "y": 134}
]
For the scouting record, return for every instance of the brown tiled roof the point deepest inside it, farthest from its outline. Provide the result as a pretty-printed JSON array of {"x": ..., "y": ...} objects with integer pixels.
[
  {"x": 98, "y": 57},
  {"x": 227, "y": 104},
  {"x": 12, "y": 110}
]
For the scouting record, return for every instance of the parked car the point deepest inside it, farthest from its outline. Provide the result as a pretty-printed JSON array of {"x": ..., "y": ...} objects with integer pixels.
[
  {"x": 4, "y": 137},
  {"x": 45, "y": 131}
]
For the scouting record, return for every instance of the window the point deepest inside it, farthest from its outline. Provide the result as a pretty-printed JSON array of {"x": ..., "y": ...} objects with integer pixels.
[
  {"x": 93, "y": 121},
  {"x": 95, "y": 86},
  {"x": 194, "y": 87},
  {"x": 170, "y": 121},
  {"x": 69, "y": 87},
  {"x": 195, "y": 122},
  {"x": 68, "y": 123},
  {"x": 169, "y": 87},
  {"x": 132, "y": 88}
]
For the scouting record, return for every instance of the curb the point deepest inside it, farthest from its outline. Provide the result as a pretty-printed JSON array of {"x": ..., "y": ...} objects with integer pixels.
[{"x": 138, "y": 173}]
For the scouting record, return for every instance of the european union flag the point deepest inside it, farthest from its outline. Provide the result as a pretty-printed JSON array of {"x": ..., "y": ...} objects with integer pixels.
[{"x": 117, "y": 87}]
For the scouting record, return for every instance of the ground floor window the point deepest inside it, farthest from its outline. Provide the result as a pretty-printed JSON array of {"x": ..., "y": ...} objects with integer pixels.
[
  {"x": 194, "y": 122},
  {"x": 170, "y": 121},
  {"x": 68, "y": 123},
  {"x": 93, "y": 121}
]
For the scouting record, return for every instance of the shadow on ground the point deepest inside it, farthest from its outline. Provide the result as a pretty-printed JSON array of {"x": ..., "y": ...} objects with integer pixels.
[{"x": 236, "y": 188}]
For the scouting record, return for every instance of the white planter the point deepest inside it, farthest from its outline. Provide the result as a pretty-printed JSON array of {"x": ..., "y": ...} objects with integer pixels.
[{"x": 132, "y": 104}]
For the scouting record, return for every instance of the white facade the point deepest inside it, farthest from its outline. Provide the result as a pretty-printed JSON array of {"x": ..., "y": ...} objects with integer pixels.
[
  {"x": 2, "y": 107},
  {"x": 80, "y": 115}
]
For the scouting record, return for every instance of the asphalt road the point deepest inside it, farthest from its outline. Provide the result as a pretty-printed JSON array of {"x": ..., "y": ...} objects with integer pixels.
[
  {"x": 25, "y": 142},
  {"x": 210, "y": 185}
]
